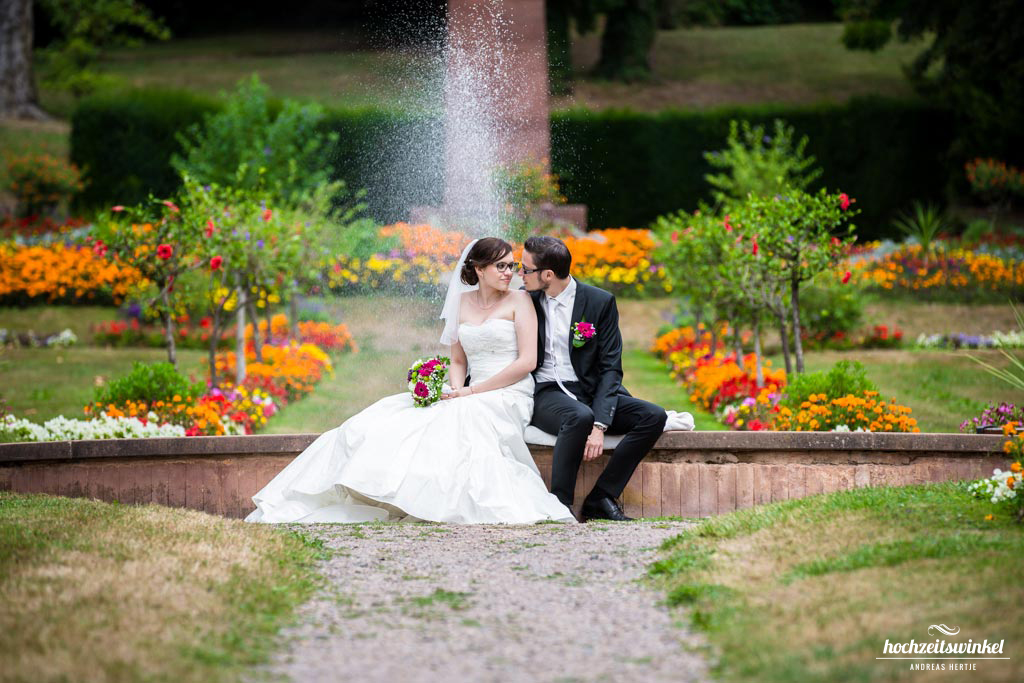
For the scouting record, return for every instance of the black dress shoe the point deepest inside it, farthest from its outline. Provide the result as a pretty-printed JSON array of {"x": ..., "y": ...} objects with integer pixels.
[{"x": 603, "y": 508}]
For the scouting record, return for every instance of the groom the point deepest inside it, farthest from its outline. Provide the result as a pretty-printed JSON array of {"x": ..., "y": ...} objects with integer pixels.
[{"x": 579, "y": 394}]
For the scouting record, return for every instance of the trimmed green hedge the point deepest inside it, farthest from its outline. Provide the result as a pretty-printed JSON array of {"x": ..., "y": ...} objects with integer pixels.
[{"x": 627, "y": 167}]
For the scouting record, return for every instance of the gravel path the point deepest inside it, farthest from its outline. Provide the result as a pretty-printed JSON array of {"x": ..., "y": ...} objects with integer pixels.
[{"x": 546, "y": 602}]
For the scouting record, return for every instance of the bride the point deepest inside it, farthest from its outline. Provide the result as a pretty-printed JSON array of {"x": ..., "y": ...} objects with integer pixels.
[{"x": 462, "y": 459}]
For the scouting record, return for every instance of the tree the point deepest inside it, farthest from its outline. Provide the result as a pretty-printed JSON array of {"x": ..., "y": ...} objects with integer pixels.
[
  {"x": 87, "y": 27},
  {"x": 629, "y": 32},
  {"x": 18, "y": 98},
  {"x": 973, "y": 63}
]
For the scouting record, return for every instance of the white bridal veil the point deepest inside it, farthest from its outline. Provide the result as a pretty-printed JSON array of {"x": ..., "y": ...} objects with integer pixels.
[{"x": 456, "y": 288}]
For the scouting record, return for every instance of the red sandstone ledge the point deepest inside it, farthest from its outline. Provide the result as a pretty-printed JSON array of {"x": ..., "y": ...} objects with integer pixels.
[{"x": 690, "y": 446}]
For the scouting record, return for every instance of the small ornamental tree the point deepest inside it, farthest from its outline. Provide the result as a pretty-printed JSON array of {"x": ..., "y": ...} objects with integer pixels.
[
  {"x": 154, "y": 239},
  {"x": 798, "y": 235}
]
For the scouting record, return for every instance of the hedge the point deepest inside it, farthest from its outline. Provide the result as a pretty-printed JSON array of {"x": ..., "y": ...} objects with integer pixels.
[{"x": 627, "y": 167}]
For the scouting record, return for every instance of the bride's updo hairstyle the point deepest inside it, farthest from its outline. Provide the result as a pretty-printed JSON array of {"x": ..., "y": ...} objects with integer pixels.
[{"x": 485, "y": 252}]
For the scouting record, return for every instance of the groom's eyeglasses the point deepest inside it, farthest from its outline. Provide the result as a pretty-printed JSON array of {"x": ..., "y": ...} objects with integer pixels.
[
  {"x": 527, "y": 271},
  {"x": 510, "y": 266}
]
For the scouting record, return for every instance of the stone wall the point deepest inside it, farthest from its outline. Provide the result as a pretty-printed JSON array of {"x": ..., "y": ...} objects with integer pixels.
[{"x": 689, "y": 474}]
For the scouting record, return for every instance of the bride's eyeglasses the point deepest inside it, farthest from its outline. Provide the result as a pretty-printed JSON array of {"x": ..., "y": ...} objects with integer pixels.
[{"x": 507, "y": 266}]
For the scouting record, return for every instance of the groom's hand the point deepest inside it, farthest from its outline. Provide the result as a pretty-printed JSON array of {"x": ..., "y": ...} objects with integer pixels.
[{"x": 595, "y": 444}]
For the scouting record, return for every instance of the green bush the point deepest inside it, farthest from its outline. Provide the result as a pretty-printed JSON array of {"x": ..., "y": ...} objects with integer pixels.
[
  {"x": 627, "y": 167},
  {"x": 845, "y": 377},
  {"x": 827, "y": 306},
  {"x": 248, "y": 145},
  {"x": 149, "y": 383}
]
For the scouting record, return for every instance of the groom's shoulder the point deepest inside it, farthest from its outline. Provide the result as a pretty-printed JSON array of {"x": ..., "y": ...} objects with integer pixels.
[{"x": 593, "y": 293}]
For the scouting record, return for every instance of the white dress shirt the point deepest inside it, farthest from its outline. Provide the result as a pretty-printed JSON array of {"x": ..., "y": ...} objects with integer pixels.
[{"x": 557, "y": 365}]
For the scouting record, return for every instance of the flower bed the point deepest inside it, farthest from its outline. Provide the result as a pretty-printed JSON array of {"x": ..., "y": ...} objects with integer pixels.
[
  {"x": 60, "y": 273},
  {"x": 618, "y": 260},
  {"x": 944, "y": 273},
  {"x": 283, "y": 374},
  {"x": 335, "y": 338},
  {"x": 728, "y": 388},
  {"x": 101, "y": 427}
]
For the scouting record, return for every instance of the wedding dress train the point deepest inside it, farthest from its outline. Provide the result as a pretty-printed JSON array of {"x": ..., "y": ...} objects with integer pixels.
[{"x": 462, "y": 460}]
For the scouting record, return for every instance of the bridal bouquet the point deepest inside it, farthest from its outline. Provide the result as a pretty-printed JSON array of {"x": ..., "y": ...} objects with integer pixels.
[{"x": 426, "y": 378}]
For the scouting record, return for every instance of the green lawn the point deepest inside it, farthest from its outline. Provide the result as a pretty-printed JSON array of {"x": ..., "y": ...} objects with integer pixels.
[
  {"x": 810, "y": 589},
  {"x": 105, "y": 592},
  {"x": 693, "y": 68}
]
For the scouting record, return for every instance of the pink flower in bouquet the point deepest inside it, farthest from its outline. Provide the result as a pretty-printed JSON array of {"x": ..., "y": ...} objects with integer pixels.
[
  {"x": 426, "y": 369},
  {"x": 421, "y": 390}
]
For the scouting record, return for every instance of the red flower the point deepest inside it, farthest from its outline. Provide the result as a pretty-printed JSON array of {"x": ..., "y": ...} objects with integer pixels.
[
  {"x": 675, "y": 236},
  {"x": 835, "y": 241},
  {"x": 728, "y": 228},
  {"x": 846, "y": 277},
  {"x": 421, "y": 390},
  {"x": 117, "y": 208},
  {"x": 844, "y": 201},
  {"x": 170, "y": 205},
  {"x": 164, "y": 251},
  {"x": 216, "y": 262},
  {"x": 100, "y": 249},
  {"x": 267, "y": 214},
  {"x": 209, "y": 228},
  {"x": 754, "y": 250}
]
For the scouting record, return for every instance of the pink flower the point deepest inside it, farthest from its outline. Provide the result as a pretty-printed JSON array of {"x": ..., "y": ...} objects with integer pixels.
[
  {"x": 426, "y": 369},
  {"x": 170, "y": 205},
  {"x": 164, "y": 251},
  {"x": 267, "y": 214},
  {"x": 117, "y": 208},
  {"x": 100, "y": 249},
  {"x": 421, "y": 390},
  {"x": 844, "y": 201},
  {"x": 675, "y": 236},
  {"x": 586, "y": 329},
  {"x": 728, "y": 228},
  {"x": 846, "y": 277}
]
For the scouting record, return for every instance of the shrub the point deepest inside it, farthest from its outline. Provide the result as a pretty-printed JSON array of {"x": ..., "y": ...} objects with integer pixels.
[
  {"x": 845, "y": 378},
  {"x": 40, "y": 182},
  {"x": 149, "y": 383}
]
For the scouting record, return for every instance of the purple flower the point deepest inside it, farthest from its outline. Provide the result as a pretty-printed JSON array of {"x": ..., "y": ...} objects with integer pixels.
[
  {"x": 206, "y": 188},
  {"x": 767, "y": 139},
  {"x": 259, "y": 244},
  {"x": 266, "y": 151}
]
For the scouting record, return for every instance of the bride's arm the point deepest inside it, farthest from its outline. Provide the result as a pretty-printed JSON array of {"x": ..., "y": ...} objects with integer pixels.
[
  {"x": 457, "y": 371},
  {"x": 526, "y": 334}
]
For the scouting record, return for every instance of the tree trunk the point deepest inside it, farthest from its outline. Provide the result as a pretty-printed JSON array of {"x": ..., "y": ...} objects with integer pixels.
[
  {"x": 757, "y": 350},
  {"x": 798, "y": 347},
  {"x": 168, "y": 316},
  {"x": 18, "y": 98},
  {"x": 257, "y": 342},
  {"x": 293, "y": 314},
  {"x": 629, "y": 33},
  {"x": 784, "y": 340},
  {"x": 559, "y": 47},
  {"x": 240, "y": 338},
  {"x": 215, "y": 330}
]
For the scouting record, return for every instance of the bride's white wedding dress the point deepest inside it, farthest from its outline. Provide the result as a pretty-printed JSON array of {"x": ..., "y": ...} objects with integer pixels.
[{"x": 462, "y": 460}]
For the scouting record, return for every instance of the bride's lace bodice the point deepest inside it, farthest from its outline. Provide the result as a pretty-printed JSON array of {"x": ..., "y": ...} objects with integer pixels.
[{"x": 490, "y": 347}]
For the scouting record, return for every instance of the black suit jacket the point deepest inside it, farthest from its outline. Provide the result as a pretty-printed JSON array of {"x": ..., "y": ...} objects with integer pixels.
[{"x": 598, "y": 363}]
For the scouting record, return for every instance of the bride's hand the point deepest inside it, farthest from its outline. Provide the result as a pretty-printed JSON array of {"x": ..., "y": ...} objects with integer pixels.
[{"x": 458, "y": 393}]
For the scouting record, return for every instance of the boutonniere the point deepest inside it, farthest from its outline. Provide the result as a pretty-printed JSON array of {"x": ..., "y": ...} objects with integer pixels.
[{"x": 582, "y": 332}]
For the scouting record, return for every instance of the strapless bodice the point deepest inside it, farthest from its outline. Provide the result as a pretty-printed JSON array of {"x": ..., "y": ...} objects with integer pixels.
[{"x": 490, "y": 347}]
